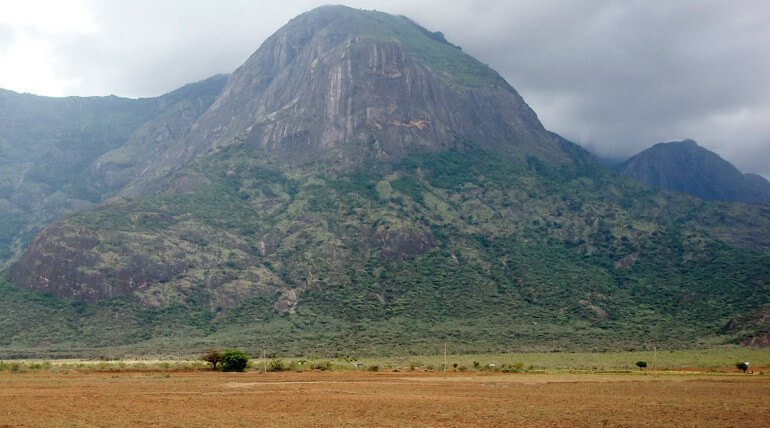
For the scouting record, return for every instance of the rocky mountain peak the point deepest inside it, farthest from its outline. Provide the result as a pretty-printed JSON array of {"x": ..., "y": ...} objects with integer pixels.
[{"x": 346, "y": 85}]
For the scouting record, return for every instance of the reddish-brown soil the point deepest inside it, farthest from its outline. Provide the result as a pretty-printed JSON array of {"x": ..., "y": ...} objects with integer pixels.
[{"x": 347, "y": 398}]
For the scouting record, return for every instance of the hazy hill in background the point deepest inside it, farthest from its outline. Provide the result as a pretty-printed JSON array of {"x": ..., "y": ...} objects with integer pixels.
[
  {"x": 686, "y": 167},
  {"x": 48, "y": 147}
]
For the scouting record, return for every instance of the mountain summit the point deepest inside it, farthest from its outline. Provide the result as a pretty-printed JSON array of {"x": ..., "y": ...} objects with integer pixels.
[
  {"x": 342, "y": 83},
  {"x": 345, "y": 85}
]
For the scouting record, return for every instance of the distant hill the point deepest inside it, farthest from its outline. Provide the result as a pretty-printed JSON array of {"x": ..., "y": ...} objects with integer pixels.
[{"x": 686, "y": 167}]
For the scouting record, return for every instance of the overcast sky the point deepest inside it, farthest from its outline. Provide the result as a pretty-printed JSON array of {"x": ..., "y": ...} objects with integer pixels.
[{"x": 614, "y": 76}]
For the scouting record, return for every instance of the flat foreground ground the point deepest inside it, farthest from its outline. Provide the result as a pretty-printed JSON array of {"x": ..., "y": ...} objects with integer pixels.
[{"x": 350, "y": 398}]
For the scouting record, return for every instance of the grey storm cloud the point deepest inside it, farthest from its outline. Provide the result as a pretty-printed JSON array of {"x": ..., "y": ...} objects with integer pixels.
[{"x": 614, "y": 76}]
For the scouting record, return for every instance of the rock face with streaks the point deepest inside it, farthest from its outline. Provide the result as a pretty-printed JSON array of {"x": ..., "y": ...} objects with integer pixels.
[
  {"x": 336, "y": 81},
  {"x": 351, "y": 86}
]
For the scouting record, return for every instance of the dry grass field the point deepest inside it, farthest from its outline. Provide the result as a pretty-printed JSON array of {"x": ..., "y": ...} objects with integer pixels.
[{"x": 357, "y": 398}]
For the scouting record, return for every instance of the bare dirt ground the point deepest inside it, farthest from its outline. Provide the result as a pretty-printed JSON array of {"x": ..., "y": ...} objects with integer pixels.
[{"x": 350, "y": 398}]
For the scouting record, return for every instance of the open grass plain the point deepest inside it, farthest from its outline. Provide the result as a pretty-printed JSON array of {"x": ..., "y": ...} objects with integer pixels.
[{"x": 408, "y": 391}]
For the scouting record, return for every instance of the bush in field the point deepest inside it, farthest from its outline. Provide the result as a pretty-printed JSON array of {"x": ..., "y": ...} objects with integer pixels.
[
  {"x": 234, "y": 360},
  {"x": 641, "y": 364},
  {"x": 212, "y": 356},
  {"x": 512, "y": 368},
  {"x": 277, "y": 365},
  {"x": 743, "y": 366},
  {"x": 321, "y": 365}
]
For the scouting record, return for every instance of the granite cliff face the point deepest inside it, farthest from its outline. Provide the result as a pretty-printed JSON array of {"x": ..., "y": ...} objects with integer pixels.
[
  {"x": 334, "y": 81},
  {"x": 350, "y": 86},
  {"x": 686, "y": 167}
]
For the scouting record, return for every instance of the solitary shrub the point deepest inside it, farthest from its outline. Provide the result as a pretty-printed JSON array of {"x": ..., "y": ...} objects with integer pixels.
[
  {"x": 373, "y": 368},
  {"x": 641, "y": 364},
  {"x": 512, "y": 368},
  {"x": 476, "y": 364},
  {"x": 233, "y": 360},
  {"x": 276, "y": 365},
  {"x": 740, "y": 365},
  {"x": 321, "y": 365},
  {"x": 212, "y": 356}
]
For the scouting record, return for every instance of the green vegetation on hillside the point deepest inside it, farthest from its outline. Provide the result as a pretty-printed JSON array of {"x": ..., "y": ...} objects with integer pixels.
[{"x": 465, "y": 247}]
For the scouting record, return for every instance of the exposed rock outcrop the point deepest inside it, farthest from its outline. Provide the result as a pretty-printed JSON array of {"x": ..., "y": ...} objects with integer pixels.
[{"x": 348, "y": 86}]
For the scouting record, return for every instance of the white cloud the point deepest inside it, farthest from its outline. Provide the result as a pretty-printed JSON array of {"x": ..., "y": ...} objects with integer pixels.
[
  {"x": 28, "y": 31},
  {"x": 31, "y": 69},
  {"x": 48, "y": 16}
]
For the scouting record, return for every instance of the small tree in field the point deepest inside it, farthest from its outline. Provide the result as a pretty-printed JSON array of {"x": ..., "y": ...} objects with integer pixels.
[
  {"x": 234, "y": 360},
  {"x": 641, "y": 364},
  {"x": 212, "y": 356},
  {"x": 740, "y": 365}
]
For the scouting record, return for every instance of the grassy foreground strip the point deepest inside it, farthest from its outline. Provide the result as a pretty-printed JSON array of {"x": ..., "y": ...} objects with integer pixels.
[{"x": 715, "y": 360}]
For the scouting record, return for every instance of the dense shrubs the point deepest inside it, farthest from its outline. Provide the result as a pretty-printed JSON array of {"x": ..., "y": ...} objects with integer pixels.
[{"x": 234, "y": 360}]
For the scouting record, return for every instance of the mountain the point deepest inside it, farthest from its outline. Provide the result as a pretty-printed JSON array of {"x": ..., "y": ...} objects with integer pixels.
[
  {"x": 686, "y": 167},
  {"x": 48, "y": 145},
  {"x": 361, "y": 185},
  {"x": 332, "y": 82}
]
